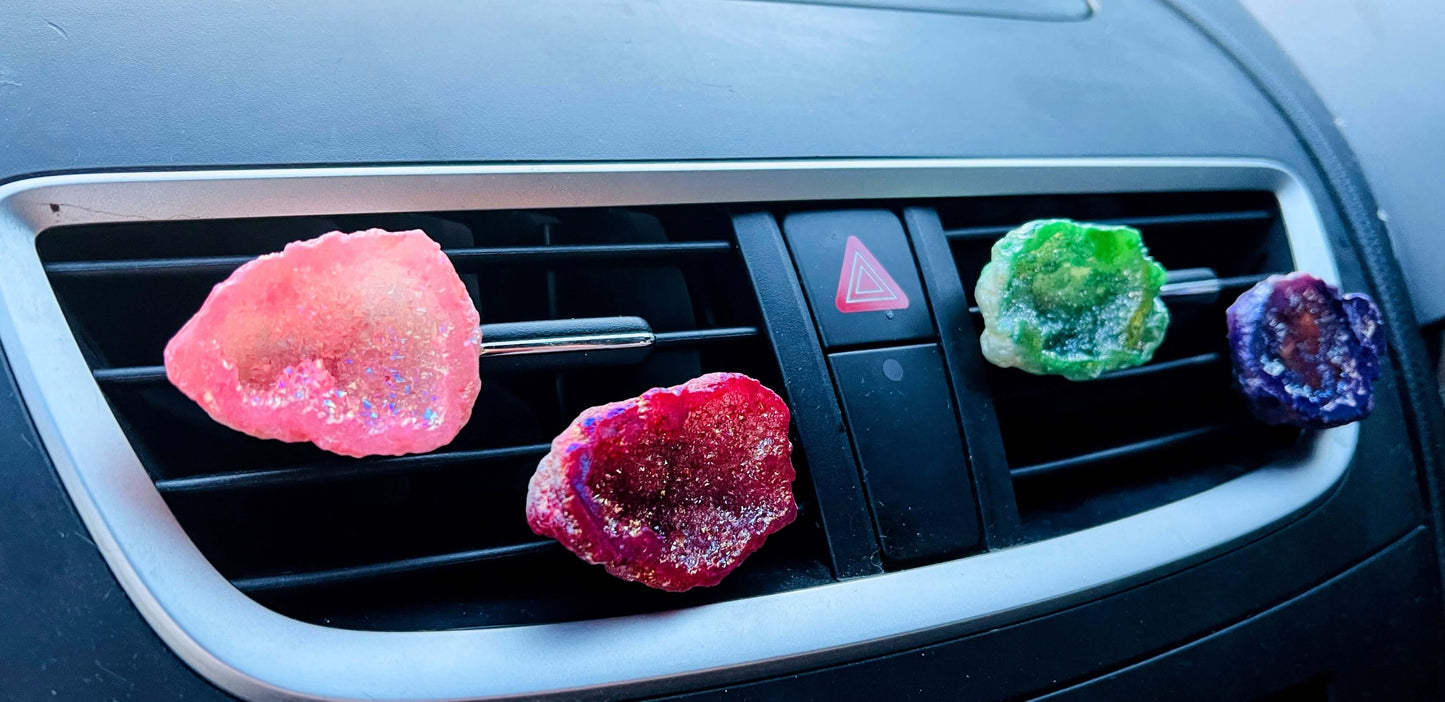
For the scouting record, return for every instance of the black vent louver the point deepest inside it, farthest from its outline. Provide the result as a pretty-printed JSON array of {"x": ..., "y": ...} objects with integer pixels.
[
  {"x": 1084, "y": 453},
  {"x": 438, "y": 540}
]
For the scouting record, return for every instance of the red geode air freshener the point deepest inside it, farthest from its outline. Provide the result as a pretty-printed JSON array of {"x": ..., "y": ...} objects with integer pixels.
[
  {"x": 361, "y": 343},
  {"x": 672, "y": 489}
]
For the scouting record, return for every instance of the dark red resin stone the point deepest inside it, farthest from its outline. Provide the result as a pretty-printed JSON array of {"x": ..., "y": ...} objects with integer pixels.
[{"x": 672, "y": 489}]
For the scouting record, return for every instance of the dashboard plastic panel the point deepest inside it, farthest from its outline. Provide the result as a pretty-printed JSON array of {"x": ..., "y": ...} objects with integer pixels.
[{"x": 169, "y": 83}]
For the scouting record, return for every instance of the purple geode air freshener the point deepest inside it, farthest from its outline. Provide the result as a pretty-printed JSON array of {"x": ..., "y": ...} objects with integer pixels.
[{"x": 1303, "y": 353}]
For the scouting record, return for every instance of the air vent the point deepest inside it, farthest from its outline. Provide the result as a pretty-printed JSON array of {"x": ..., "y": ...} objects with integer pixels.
[
  {"x": 438, "y": 542},
  {"x": 434, "y": 541},
  {"x": 1084, "y": 453}
]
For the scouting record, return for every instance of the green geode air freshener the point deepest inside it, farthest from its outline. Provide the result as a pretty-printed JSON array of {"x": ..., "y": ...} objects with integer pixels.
[{"x": 1073, "y": 299}]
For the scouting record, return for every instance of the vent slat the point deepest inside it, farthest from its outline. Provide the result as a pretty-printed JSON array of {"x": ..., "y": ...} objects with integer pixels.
[
  {"x": 1117, "y": 452},
  {"x": 1033, "y": 386},
  {"x": 291, "y": 581},
  {"x": 138, "y": 375},
  {"x": 1181, "y": 292},
  {"x": 993, "y": 232},
  {"x": 1203, "y": 359},
  {"x": 461, "y": 257},
  {"x": 694, "y": 337},
  {"x": 297, "y": 475}
]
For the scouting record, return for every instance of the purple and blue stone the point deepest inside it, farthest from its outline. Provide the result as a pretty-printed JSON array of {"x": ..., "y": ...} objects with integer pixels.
[{"x": 1303, "y": 353}]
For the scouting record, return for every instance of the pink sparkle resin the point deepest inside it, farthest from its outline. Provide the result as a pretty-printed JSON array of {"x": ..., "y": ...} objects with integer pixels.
[
  {"x": 363, "y": 344},
  {"x": 672, "y": 489}
]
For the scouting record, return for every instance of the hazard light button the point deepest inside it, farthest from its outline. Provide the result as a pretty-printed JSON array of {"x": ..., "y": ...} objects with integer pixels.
[{"x": 858, "y": 271}]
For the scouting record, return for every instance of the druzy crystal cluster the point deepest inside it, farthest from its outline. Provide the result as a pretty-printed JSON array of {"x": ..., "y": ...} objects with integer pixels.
[
  {"x": 361, "y": 343},
  {"x": 1073, "y": 299},
  {"x": 672, "y": 489},
  {"x": 1303, "y": 353}
]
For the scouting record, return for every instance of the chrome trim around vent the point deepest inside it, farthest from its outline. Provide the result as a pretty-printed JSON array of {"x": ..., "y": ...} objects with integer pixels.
[{"x": 258, "y": 654}]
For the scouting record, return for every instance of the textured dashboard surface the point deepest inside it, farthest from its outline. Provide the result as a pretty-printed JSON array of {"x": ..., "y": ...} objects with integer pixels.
[{"x": 173, "y": 83}]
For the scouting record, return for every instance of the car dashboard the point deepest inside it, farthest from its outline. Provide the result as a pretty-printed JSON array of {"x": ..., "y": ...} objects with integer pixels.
[{"x": 964, "y": 531}]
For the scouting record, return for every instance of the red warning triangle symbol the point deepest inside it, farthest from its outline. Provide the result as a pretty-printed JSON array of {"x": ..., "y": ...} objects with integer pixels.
[{"x": 864, "y": 285}]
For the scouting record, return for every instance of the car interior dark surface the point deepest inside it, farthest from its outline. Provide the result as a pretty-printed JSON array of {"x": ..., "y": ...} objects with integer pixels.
[{"x": 688, "y": 172}]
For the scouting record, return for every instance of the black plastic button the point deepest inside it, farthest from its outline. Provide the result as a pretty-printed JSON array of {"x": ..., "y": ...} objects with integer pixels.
[
  {"x": 898, "y": 406},
  {"x": 860, "y": 276}
]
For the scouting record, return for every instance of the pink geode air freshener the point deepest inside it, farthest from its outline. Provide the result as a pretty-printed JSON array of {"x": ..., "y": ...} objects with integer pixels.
[
  {"x": 363, "y": 344},
  {"x": 672, "y": 489}
]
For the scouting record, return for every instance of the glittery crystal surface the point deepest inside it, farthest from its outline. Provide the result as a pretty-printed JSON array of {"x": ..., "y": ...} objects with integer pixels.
[
  {"x": 1066, "y": 298},
  {"x": 672, "y": 489},
  {"x": 361, "y": 343},
  {"x": 1303, "y": 353}
]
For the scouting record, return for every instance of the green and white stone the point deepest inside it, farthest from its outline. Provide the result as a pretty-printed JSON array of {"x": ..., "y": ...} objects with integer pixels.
[{"x": 1067, "y": 298}]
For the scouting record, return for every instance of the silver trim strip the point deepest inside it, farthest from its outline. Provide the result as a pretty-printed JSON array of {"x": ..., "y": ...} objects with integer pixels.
[
  {"x": 258, "y": 654},
  {"x": 560, "y": 344}
]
